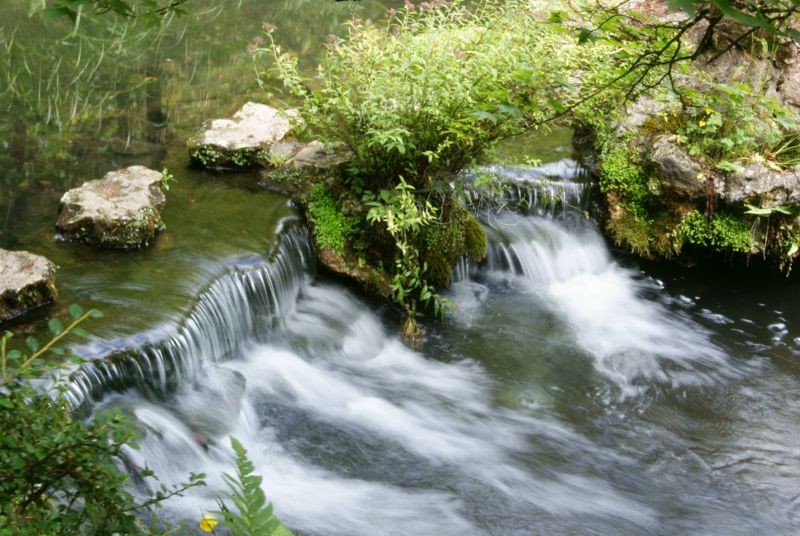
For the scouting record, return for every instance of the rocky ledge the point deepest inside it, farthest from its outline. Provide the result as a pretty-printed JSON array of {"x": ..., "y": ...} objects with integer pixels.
[
  {"x": 253, "y": 138},
  {"x": 26, "y": 281},
  {"x": 122, "y": 210}
]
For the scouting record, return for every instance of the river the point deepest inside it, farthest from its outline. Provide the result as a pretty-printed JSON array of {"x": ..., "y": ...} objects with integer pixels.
[{"x": 574, "y": 391}]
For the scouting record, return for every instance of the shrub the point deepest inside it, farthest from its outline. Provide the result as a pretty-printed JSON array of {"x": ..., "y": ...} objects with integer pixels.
[
  {"x": 59, "y": 474},
  {"x": 419, "y": 98}
]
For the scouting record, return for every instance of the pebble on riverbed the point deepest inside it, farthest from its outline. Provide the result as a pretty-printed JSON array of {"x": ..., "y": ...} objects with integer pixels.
[
  {"x": 122, "y": 210},
  {"x": 26, "y": 281}
]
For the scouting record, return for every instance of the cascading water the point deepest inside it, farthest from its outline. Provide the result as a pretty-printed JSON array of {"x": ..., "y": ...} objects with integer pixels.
[
  {"x": 554, "y": 401},
  {"x": 242, "y": 304}
]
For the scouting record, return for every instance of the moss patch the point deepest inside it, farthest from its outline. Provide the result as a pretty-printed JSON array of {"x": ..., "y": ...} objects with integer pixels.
[
  {"x": 725, "y": 233},
  {"x": 444, "y": 242}
]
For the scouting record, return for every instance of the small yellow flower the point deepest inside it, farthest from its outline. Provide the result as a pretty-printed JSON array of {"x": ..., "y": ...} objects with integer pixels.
[
  {"x": 701, "y": 176},
  {"x": 208, "y": 523},
  {"x": 702, "y": 123}
]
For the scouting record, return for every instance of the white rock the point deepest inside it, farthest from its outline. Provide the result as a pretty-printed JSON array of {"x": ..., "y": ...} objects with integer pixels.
[
  {"x": 121, "y": 210},
  {"x": 26, "y": 281}
]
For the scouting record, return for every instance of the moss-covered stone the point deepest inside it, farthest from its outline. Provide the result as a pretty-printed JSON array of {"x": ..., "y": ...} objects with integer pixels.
[
  {"x": 26, "y": 281},
  {"x": 455, "y": 235},
  {"x": 122, "y": 210}
]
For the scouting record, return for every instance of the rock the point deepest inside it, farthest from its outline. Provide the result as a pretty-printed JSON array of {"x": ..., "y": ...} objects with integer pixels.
[
  {"x": 26, "y": 281},
  {"x": 317, "y": 155},
  {"x": 677, "y": 169},
  {"x": 251, "y": 139},
  {"x": 639, "y": 112},
  {"x": 758, "y": 185},
  {"x": 121, "y": 210}
]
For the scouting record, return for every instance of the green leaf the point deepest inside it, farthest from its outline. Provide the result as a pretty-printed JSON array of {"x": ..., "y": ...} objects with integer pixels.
[
  {"x": 55, "y": 325},
  {"x": 96, "y": 313},
  {"x": 57, "y": 12},
  {"x": 80, "y": 332},
  {"x": 6, "y": 403},
  {"x": 32, "y": 343},
  {"x": 75, "y": 310}
]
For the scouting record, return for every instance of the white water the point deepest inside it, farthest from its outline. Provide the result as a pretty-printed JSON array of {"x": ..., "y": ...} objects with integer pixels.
[
  {"x": 534, "y": 410},
  {"x": 566, "y": 264}
]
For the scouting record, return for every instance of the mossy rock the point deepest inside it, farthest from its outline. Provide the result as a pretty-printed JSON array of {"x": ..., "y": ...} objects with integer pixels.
[
  {"x": 457, "y": 234},
  {"x": 26, "y": 281},
  {"x": 120, "y": 211},
  {"x": 253, "y": 138}
]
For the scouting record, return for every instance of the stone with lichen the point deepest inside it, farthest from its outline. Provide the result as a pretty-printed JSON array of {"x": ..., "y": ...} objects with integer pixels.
[
  {"x": 252, "y": 138},
  {"x": 26, "y": 281},
  {"x": 122, "y": 210}
]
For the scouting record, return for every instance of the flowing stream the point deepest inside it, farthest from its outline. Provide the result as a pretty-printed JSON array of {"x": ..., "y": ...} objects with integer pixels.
[
  {"x": 569, "y": 394},
  {"x": 573, "y": 390}
]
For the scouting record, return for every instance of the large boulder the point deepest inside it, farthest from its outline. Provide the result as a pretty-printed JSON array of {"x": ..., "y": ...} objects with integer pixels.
[
  {"x": 252, "y": 138},
  {"x": 26, "y": 281},
  {"x": 122, "y": 210}
]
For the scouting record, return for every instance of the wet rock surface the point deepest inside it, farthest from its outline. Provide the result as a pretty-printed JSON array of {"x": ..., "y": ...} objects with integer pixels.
[
  {"x": 122, "y": 210},
  {"x": 26, "y": 281},
  {"x": 252, "y": 138}
]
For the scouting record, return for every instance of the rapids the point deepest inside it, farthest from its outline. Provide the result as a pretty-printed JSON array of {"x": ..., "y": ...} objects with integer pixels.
[{"x": 569, "y": 393}]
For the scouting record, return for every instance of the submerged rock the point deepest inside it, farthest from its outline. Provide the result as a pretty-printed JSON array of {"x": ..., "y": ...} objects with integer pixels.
[
  {"x": 252, "y": 138},
  {"x": 122, "y": 210},
  {"x": 26, "y": 281}
]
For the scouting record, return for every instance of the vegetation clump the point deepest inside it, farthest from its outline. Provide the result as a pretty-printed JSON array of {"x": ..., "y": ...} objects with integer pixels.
[
  {"x": 415, "y": 101},
  {"x": 332, "y": 229},
  {"x": 725, "y": 233}
]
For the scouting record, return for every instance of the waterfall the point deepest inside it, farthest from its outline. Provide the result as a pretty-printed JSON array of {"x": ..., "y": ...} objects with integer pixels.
[
  {"x": 548, "y": 189},
  {"x": 242, "y": 304}
]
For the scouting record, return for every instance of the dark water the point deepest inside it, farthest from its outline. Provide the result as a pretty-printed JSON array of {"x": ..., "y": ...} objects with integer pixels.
[{"x": 573, "y": 392}]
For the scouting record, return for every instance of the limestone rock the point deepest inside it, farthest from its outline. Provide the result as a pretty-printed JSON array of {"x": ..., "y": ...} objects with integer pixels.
[
  {"x": 678, "y": 170},
  {"x": 121, "y": 210},
  {"x": 758, "y": 185},
  {"x": 26, "y": 281},
  {"x": 317, "y": 155},
  {"x": 639, "y": 112},
  {"x": 245, "y": 141}
]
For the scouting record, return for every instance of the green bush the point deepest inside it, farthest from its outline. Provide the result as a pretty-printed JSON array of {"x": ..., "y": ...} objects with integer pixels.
[
  {"x": 59, "y": 474},
  {"x": 420, "y": 97},
  {"x": 724, "y": 233}
]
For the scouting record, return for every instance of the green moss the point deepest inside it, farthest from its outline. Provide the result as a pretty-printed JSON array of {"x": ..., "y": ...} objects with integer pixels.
[
  {"x": 724, "y": 233},
  {"x": 332, "y": 229},
  {"x": 650, "y": 237},
  {"x": 444, "y": 242},
  {"x": 622, "y": 173}
]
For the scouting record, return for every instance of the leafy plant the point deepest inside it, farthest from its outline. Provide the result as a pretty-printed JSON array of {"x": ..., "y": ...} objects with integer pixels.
[
  {"x": 417, "y": 99},
  {"x": 253, "y": 515},
  {"x": 724, "y": 233},
  {"x": 332, "y": 228},
  {"x": 60, "y": 474}
]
